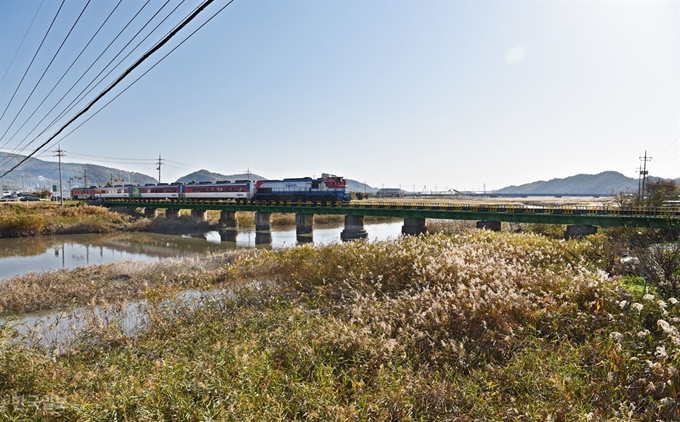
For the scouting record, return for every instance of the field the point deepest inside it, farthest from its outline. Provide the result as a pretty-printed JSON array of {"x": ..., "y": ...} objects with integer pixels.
[{"x": 468, "y": 326}]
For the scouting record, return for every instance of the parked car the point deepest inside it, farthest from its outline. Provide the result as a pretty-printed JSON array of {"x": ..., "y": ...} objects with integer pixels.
[{"x": 29, "y": 198}]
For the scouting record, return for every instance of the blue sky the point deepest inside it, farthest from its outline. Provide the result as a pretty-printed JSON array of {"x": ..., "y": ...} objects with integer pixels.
[{"x": 447, "y": 94}]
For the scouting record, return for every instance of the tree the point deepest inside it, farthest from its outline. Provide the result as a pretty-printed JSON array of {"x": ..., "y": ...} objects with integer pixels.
[
  {"x": 660, "y": 265},
  {"x": 660, "y": 191},
  {"x": 624, "y": 198},
  {"x": 44, "y": 193}
]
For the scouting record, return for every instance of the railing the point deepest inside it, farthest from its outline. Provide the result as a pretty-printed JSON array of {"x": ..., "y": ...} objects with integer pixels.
[{"x": 491, "y": 208}]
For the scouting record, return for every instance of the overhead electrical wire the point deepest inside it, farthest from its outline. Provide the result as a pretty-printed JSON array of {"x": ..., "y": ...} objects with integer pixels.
[
  {"x": 72, "y": 86},
  {"x": 46, "y": 69},
  {"x": 147, "y": 71},
  {"x": 148, "y": 54},
  {"x": 32, "y": 60},
  {"x": 666, "y": 157},
  {"x": 76, "y": 100},
  {"x": 80, "y": 96},
  {"x": 22, "y": 42},
  {"x": 114, "y": 159},
  {"x": 60, "y": 79},
  {"x": 83, "y": 155}
]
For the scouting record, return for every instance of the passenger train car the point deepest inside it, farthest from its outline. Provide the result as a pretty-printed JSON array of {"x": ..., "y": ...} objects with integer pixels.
[
  {"x": 159, "y": 191},
  {"x": 239, "y": 190},
  {"x": 326, "y": 188}
]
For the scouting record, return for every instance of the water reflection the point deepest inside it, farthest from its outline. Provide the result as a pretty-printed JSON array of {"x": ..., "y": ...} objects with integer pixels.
[
  {"x": 58, "y": 329},
  {"x": 45, "y": 253}
]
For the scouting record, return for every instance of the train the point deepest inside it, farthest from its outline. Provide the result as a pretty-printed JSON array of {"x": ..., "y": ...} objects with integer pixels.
[{"x": 327, "y": 188}]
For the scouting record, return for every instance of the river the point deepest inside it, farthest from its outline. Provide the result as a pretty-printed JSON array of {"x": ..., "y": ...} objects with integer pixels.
[{"x": 45, "y": 253}]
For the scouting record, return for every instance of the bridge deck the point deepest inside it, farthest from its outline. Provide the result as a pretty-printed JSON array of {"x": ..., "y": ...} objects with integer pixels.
[{"x": 605, "y": 216}]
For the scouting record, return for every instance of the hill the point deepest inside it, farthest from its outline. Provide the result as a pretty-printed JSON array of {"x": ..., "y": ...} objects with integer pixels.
[
  {"x": 39, "y": 174},
  {"x": 355, "y": 186},
  {"x": 208, "y": 176},
  {"x": 604, "y": 183}
]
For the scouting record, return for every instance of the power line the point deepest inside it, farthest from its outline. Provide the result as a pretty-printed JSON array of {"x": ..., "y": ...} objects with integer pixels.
[
  {"x": 60, "y": 79},
  {"x": 81, "y": 96},
  {"x": 200, "y": 9},
  {"x": 45, "y": 71},
  {"x": 114, "y": 159},
  {"x": 72, "y": 86},
  {"x": 147, "y": 71},
  {"x": 31, "y": 63},
  {"x": 22, "y": 42},
  {"x": 666, "y": 157}
]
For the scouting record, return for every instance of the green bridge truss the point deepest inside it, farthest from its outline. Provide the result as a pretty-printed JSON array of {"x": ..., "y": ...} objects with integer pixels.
[{"x": 595, "y": 216}]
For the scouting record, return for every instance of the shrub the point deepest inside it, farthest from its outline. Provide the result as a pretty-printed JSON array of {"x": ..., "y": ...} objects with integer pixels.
[{"x": 21, "y": 225}]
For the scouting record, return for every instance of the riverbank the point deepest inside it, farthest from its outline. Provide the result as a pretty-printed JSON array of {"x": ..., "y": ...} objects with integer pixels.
[{"x": 475, "y": 326}]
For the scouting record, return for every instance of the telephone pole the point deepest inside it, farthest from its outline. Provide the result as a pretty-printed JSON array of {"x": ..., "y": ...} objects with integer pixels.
[
  {"x": 60, "y": 153},
  {"x": 158, "y": 167},
  {"x": 642, "y": 178}
]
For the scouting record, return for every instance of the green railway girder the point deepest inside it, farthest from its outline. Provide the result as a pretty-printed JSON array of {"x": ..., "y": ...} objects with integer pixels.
[{"x": 603, "y": 217}]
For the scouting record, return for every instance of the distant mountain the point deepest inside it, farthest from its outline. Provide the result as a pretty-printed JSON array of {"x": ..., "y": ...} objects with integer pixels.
[
  {"x": 39, "y": 174},
  {"x": 604, "y": 183},
  {"x": 208, "y": 176},
  {"x": 355, "y": 186}
]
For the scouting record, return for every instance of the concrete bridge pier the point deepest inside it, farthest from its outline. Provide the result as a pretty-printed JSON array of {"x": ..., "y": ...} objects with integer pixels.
[
  {"x": 579, "y": 231},
  {"x": 304, "y": 227},
  {"x": 199, "y": 215},
  {"x": 150, "y": 212},
  {"x": 263, "y": 222},
  {"x": 172, "y": 213},
  {"x": 494, "y": 226},
  {"x": 414, "y": 226},
  {"x": 354, "y": 228},
  {"x": 228, "y": 235},
  {"x": 263, "y": 238},
  {"x": 305, "y": 239},
  {"x": 228, "y": 219}
]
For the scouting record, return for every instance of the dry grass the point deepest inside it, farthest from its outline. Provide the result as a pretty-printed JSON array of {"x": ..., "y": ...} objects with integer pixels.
[
  {"x": 42, "y": 218},
  {"x": 475, "y": 326},
  {"x": 110, "y": 283}
]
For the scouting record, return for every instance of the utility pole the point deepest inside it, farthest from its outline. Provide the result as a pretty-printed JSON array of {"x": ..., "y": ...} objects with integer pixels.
[
  {"x": 60, "y": 153},
  {"x": 160, "y": 163},
  {"x": 642, "y": 178},
  {"x": 85, "y": 178}
]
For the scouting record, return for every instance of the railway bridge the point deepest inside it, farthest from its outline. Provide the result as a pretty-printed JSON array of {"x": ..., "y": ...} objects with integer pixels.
[{"x": 580, "y": 220}]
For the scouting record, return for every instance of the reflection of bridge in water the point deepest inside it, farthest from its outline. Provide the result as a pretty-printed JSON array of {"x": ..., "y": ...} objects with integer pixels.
[
  {"x": 46, "y": 253},
  {"x": 150, "y": 244},
  {"x": 580, "y": 220}
]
